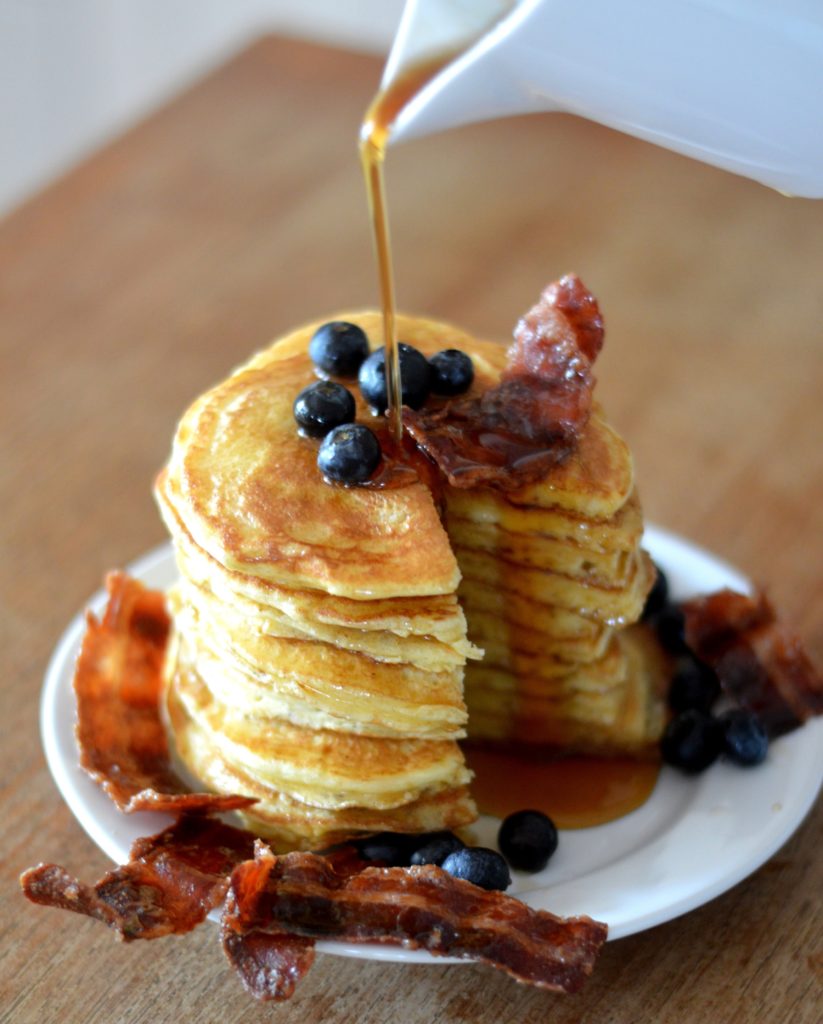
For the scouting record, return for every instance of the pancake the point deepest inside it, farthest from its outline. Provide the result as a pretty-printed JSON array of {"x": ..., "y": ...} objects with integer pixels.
[
  {"x": 328, "y": 642},
  {"x": 511, "y": 636},
  {"x": 613, "y": 605},
  {"x": 594, "y": 482},
  {"x": 318, "y": 680},
  {"x": 626, "y": 719},
  {"x": 547, "y": 674},
  {"x": 321, "y": 767},
  {"x": 438, "y": 616},
  {"x": 244, "y": 617},
  {"x": 621, "y": 532},
  {"x": 551, "y": 554},
  {"x": 291, "y": 823}
]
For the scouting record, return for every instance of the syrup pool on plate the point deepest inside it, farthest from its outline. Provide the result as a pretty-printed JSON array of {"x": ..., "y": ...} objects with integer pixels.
[{"x": 575, "y": 792}]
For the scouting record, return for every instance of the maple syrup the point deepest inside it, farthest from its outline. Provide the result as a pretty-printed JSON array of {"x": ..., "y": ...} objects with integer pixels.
[
  {"x": 575, "y": 792},
  {"x": 402, "y": 464}
]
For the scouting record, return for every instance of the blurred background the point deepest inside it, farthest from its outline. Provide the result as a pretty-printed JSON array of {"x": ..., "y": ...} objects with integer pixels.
[{"x": 74, "y": 73}]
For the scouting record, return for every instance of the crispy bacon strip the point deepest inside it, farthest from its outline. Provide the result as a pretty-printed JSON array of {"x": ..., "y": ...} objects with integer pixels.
[
  {"x": 515, "y": 432},
  {"x": 270, "y": 965},
  {"x": 560, "y": 337},
  {"x": 118, "y": 682},
  {"x": 419, "y": 908},
  {"x": 760, "y": 661},
  {"x": 170, "y": 884}
]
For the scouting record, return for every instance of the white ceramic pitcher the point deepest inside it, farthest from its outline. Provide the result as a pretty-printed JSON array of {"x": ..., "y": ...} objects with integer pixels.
[{"x": 734, "y": 83}]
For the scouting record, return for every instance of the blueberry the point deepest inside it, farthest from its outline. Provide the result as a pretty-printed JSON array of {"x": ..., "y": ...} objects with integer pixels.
[
  {"x": 392, "y": 848},
  {"x": 480, "y": 866},
  {"x": 349, "y": 454},
  {"x": 436, "y": 847},
  {"x": 745, "y": 741},
  {"x": 693, "y": 685},
  {"x": 670, "y": 624},
  {"x": 322, "y": 406},
  {"x": 452, "y": 372},
  {"x": 414, "y": 377},
  {"x": 658, "y": 595},
  {"x": 692, "y": 741},
  {"x": 339, "y": 348},
  {"x": 527, "y": 839}
]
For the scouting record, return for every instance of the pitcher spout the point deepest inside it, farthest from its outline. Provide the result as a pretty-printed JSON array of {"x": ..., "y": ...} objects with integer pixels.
[
  {"x": 464, "y": 42},
  {"x": 734, "y": 83}
]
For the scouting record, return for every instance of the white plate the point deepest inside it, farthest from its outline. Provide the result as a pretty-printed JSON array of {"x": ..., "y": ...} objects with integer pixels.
[{"x": 692, "y": 840}]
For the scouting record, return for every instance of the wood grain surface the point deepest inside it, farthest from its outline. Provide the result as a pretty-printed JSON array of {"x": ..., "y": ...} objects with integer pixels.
[{"x": 237, "y": 212}]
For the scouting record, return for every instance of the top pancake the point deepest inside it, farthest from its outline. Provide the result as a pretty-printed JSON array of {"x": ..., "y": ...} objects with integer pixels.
[
  {"x": 246, "y": 487},
  {"x": 314, "y": 611}
]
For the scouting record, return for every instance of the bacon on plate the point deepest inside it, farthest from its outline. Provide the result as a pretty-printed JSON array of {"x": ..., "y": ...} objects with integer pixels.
[
  {"x": 118, "y": 684},
  {"x": 170, "y": 884},
  {"x": 759, "y": 660},
  {"x": 308, "y": 895}
]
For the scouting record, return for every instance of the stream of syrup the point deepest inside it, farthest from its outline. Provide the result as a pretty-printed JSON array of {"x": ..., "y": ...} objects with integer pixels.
[{"x": 374, "y": 134}]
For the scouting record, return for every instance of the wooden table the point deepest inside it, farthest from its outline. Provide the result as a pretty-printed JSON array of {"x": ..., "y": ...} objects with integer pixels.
[{"x": 237, "y": 212}]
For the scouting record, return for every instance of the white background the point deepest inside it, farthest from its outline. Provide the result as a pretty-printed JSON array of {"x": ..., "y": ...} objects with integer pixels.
[{"x": 75, "y": 72}]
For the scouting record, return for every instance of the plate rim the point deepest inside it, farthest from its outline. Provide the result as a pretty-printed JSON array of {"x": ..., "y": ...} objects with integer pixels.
[{"x": 806, "y": 742}]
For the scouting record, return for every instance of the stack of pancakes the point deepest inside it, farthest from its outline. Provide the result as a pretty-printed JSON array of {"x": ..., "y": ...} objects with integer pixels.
[{"x": 319, "y": 646}]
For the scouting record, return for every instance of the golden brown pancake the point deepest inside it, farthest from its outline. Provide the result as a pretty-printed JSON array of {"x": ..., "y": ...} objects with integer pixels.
[
  {"x": 589, "y": 565},
  {"x": 626, "y": 718},
  {"x": 290, "y": 821},
  {"x": 314, "y": 682},
  {"x": 613, "y": 605},
  {"x": 437, "y": 616}
]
